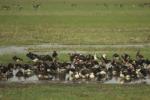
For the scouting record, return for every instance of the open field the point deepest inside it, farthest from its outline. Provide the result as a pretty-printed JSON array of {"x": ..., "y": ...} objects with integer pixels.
[
  {"x": 74, "y": 22},
  {"x": 55, "y": 91},
  {"x": 87, "y": 22}
]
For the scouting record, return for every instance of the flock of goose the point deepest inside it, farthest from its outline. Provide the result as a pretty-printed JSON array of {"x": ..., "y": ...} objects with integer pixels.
[{"x": 80, "y": 67}]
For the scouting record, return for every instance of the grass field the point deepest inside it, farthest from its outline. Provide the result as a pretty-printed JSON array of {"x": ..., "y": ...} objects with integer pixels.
[
  {"x": 73, "y": 92},
  {"x": 74, "y": 22}
]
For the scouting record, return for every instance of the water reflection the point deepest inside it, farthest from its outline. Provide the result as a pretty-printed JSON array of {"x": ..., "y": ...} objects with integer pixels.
[{"x": 34, "y": 79}]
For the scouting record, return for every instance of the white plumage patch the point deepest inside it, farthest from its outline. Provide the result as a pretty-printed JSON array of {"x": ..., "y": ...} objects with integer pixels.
[
  {"x": 127, "y": 77},
  {"x": 48, "y": 70},
  {"x": 92, "y": 75},
  {"x": 28, "y": 73},
  {"x": 122, "y": 82},
  {"x": 95, "y": 56},
  {"x": 17, "y": 60},
  {"x": 121, "y": 75},
  {"x": 77, "y": 76},
  {"x": 35, "y": 60},
  {"x": 114, "y": 72},
  {"x": 69, "y": 76},
  {"x": 137, "y": 71},
  {"x": 104, "y": 55},
  {"x": 39, "y": 76},
  {"x": 102, "y": 72}
]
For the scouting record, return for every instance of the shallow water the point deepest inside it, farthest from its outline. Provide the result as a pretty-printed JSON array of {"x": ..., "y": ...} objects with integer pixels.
[
  {"x": 24, "y": 48},
  {"x": 34, "y": 79}
]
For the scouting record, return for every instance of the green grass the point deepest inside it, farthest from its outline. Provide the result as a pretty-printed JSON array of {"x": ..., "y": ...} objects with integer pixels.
[
  {"x": 7, "y": 58},
  {"x": 74, "y": 92},
  {"x": 89, "y": 22}
]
